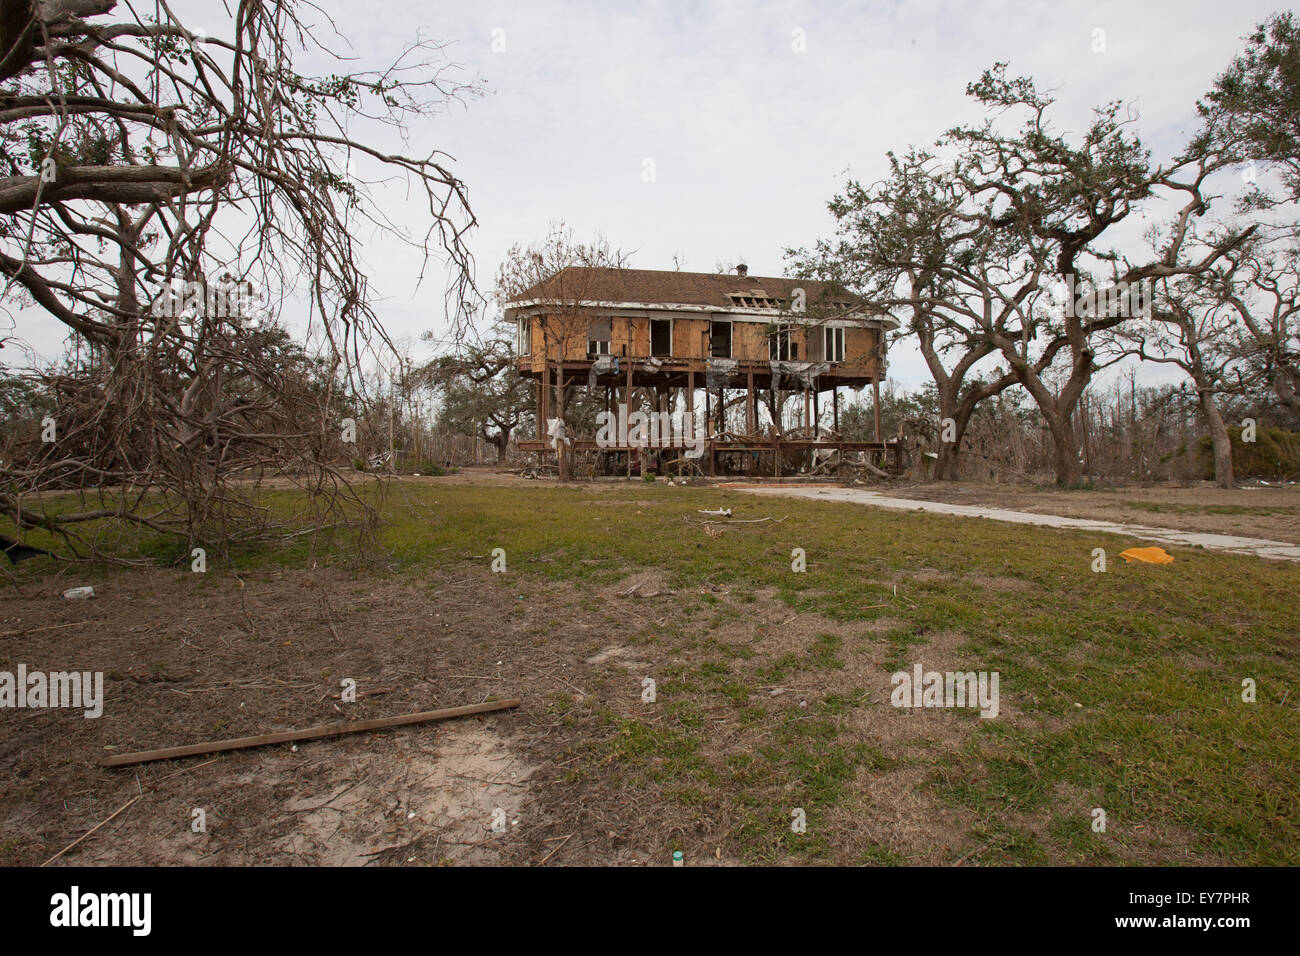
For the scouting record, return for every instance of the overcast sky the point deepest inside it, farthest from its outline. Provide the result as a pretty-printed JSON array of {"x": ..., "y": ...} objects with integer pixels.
[{"x": 751, "y": 113}]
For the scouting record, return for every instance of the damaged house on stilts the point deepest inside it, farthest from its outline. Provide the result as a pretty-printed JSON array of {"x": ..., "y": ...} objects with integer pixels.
[{"x": 699, "y": 373}]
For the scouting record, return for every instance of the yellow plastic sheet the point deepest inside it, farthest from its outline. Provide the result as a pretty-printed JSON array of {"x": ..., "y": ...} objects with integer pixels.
[{"x": 1149, "y": 555}]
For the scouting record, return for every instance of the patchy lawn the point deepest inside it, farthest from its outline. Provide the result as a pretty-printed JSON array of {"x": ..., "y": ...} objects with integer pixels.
[{"x": 771, "y": 692}]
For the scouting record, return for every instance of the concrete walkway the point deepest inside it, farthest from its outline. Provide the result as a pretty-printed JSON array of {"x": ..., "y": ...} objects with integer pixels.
[{"x": 1260, "y": 547}]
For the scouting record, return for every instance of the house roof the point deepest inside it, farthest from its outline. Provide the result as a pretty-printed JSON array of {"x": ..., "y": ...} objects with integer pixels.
[{"x": 696, "y": 290}]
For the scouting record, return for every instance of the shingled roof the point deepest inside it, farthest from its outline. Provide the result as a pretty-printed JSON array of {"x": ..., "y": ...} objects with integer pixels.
[{"x": 698, "y": 289}]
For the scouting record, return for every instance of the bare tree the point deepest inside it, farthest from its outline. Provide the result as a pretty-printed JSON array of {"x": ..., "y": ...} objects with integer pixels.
[
  {"x": 1261, "y": 284},
  {"x": 158, "y": 179},
  {"x": 560, "y": 273},
  {"x": 1192, "y": 327}
]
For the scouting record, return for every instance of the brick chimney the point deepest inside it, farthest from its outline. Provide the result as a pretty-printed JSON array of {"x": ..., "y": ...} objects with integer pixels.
[{"x": 742, "y": 269}]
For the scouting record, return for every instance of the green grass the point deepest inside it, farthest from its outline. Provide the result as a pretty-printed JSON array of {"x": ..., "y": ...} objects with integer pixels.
[{"x": 1122, "y": 689}]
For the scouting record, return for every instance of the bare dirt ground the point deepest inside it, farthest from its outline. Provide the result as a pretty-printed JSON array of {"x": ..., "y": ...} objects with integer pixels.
[
  {"x": 227, "y": 657},
  {"x": 220, "y": 656},
  {"x": 1271, "y": 513}
]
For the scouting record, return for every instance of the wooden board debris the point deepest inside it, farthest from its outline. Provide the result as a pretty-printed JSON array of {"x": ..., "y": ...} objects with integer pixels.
[{"x": 309, "y": 733}]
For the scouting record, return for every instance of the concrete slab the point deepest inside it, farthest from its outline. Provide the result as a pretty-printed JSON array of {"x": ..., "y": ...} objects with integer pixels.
[{"x": 1232, "y": 544}]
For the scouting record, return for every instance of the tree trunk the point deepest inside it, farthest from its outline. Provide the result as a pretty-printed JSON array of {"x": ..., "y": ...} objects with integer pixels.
[
  {"x": 1219, "y": 439},
  {"x": 1065, "y": 451},
  {"x": 1065, "y": 456},
  {"x": 945, "y": 466},
  {"x": 1284, "y": 385}
]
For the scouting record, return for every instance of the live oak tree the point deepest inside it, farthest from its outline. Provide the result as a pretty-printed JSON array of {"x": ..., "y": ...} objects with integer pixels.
[
  {"x": 998, "y": 244},
  {"x": 1062, "y": 201},
  {"x": 913, "y": 245},
  {"x": 1252, "y": 115},
  {"x": 164, "y": 189},
  {"x": 482, "y": 391},
  {"x": 1253, "y": 111}
]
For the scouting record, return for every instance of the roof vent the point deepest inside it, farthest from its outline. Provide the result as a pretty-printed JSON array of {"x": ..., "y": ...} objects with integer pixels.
[{"x": 742, "y": 269}]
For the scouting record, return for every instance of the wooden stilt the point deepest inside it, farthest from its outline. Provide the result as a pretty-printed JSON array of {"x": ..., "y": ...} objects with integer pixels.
[
  {"x": 875, "y": 402},
  {"x": 540, "y": 406},
  {"x": 690, "y": 402},
  {"x": 751, "y": 419},
  {"x": 627, "y": 396}
]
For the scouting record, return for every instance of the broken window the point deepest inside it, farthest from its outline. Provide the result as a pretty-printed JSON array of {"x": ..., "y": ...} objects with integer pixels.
[
  {"x": 525, "y": 341},
  {"x": 834, "y": 344},
  {"x": 598, "y": 334},
  {"x": 779, "y": 347},
  {"x": 661, "y": 336},
  {"x": 720, "y": 339}
]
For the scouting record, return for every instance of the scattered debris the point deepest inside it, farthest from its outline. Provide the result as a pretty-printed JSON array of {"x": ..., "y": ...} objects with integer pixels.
[
  {"x": 364, "y": 693},
  {"x": 310, "y": 733},
  {"x": 712, "y": 521},
  {"x": 79, "y": 594},
  {"x": 718, "y": 513},
  {"x": 1148, "y": 555}
]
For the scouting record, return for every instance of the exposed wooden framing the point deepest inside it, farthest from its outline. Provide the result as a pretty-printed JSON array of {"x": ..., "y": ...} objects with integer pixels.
[
  {"x": 690, "y": 395},
  {"x": 757, "y": 444},
  {"x": 678, "y": 372}
]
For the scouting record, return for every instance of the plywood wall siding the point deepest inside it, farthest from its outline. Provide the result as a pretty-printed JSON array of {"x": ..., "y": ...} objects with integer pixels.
[
  {"x": 630, "y": 336},
  {"x": 860, "y": 351},
  {"x": 691, "y": 338}
]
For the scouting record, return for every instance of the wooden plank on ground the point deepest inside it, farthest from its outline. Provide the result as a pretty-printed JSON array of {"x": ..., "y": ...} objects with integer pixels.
[{"x": 309, "y": 733}]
